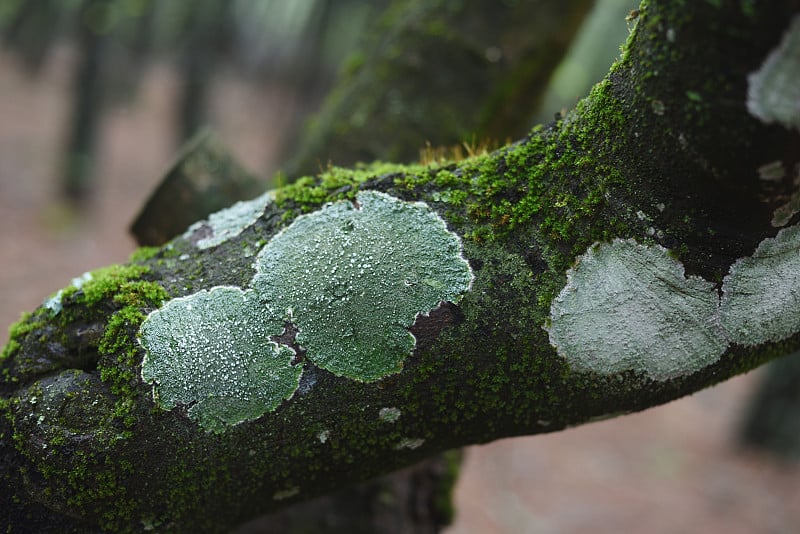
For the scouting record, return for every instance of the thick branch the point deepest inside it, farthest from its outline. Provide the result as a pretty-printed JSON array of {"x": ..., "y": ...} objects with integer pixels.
[{"x": 662, "y": 156}]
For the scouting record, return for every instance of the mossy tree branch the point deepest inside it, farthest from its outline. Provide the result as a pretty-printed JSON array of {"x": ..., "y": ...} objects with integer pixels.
[{"x": 662, "y": 164}]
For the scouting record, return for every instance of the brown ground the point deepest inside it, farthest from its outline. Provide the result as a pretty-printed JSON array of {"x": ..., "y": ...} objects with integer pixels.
[{"x": 670, "y": 469}]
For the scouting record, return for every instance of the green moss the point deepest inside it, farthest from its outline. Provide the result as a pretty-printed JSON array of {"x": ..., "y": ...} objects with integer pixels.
[
  {"x": 117, "y": 347},
  {"x": 142, "y": 254},
  {"x": 16, "y": 332},
  {"x": 90, "y": 478},
  {"x": 107, "y": 281},
  {"x": 335, "y": 183}
]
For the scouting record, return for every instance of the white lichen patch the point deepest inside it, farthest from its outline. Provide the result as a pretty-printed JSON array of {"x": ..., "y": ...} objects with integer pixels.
[
  {"x": 761, "y": 294},
  {"x": 211, "y": 351},
  {"x": 409, "y": 443},
  {"x": 772, "y": 171},
  {"x": 228, "y": 223},
  {"x": 784, "y": 213},
  {"x": 324, "y": 436},
  {"x": 389, "y": 415},
  {"x": 353, "y": 278},
  {"x": 53, "y": 303},
  {"x": 773, "y": 93},
  {"x": 629, "y": 307}
]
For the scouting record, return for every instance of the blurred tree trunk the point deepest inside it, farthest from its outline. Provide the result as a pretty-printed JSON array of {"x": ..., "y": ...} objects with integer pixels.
[
  {"x": 439, "y": 72},
  {"x": 87, "y": 98},
  {"x": 204, "y": 31}
]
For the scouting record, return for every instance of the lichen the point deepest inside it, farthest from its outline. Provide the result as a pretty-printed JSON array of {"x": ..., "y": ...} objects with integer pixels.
[
  {"x": 629, "y": 307},
  {"x": 773, "y": 93},
  {"x": 409, "y": 443},
  {"x": 228, "y": 223},
  {"x": 761, "y": 300},
  {"x": 212, "y": 350},
  {"x": 389, "y": 415},
  {"x": 54, "y": 304},
  {"x": 353, "y": 279},
  {"x": 784, "y": 213}
]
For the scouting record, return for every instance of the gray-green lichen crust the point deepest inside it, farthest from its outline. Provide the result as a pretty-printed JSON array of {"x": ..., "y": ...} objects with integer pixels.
[
  {"x": 353, "y": 278},
  {"x": 350, "y": 277},
  {"x": 228, "y": 223},
  {"x": 761, "y": 294},
  {"x": 211, "y": 350},
  {"x": 630, "y": 307}
]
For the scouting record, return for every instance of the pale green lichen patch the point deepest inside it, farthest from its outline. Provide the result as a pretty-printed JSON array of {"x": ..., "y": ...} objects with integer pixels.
[
  {"x": 54, "y": 304},
  {"x": 352, "y": 277},
  {"x": 409, "y": 443},
  {"x": 228, "y": 223},
  {"x": 629, "y": 307},
  {"x": 212, "y": 351},
  {"x": 784, "y": 213},
  {"x": 389, "y": 415},
  {"x": 761, "y": 294},
  {"x": 773, "y": 93}
]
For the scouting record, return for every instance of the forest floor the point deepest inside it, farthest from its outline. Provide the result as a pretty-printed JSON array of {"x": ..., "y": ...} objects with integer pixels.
[{"x": 676, "y": 468}]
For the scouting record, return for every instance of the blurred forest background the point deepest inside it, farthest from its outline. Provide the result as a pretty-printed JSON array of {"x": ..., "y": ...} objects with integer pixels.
[{"x": 96, "y": 98}]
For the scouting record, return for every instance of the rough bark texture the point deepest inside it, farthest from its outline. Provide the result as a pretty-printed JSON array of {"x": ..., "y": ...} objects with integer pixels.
[{"x": 663, "y": 153}]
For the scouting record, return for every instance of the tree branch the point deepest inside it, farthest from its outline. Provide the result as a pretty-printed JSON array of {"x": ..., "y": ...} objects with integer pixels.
[{"x": 279, "y": 365}]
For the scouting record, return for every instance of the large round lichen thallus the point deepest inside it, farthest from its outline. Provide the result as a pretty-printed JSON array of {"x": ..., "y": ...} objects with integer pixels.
[
  {"x": 351, "y": 277},
  {"x": 212, "y": 350}
]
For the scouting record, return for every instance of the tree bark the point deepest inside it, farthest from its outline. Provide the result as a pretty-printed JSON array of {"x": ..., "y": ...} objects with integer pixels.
[{"x": 662, "y": 165}]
